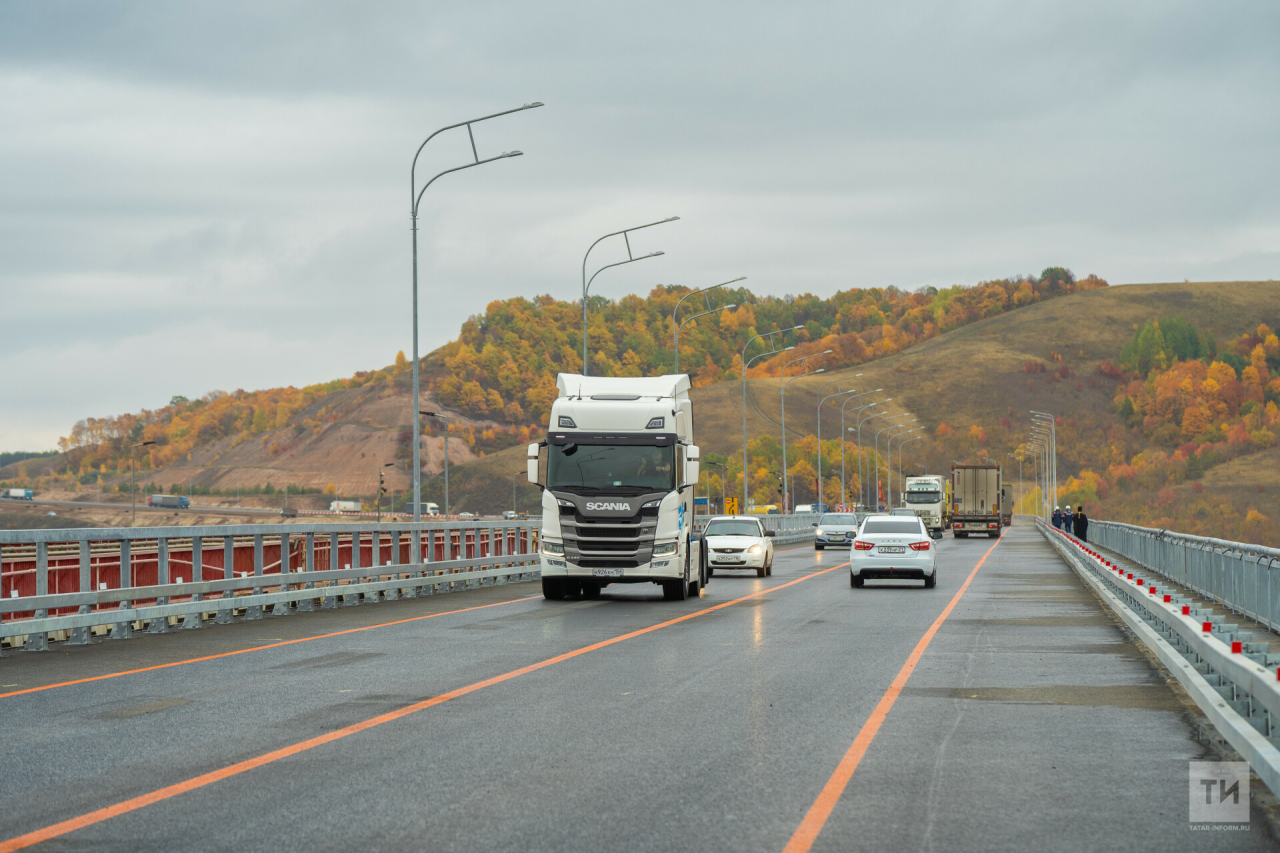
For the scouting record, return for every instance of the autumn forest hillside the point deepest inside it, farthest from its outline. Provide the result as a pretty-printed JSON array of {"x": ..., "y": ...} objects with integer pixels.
[{"x": 1166, "y": 397}]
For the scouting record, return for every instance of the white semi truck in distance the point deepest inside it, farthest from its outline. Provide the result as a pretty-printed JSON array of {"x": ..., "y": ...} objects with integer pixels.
[
  {"x": 929, "y": 495},
  {"x": 18, "y": 494},
  {"x": 617, "y": 471}
]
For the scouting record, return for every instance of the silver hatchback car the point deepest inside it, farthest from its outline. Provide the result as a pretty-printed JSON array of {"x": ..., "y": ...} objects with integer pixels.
[{"x": 836, "y": 529}]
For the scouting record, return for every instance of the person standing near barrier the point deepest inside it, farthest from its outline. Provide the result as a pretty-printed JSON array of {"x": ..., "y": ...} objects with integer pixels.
[
  {"x": 1068, "y": 520},
  {"x": 1081, "y": 523},
  {"x": 1057, "y": 517}
]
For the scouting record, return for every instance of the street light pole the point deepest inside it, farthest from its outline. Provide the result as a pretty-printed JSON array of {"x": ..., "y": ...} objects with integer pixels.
[
  {"x": 441, "y": 417},
  {"x": 821, "y": 400},
  {"x": 631, "y": 259},
  {"x": 723, "y": 469},
  {"x": 876, "y": 445},
  {"x": 773, "y": 350},
  {"x": 514, "y": 474},
  {"x": 133, "y": 483},
  {"x": 694, "y": 317},
  {"x": 1021, "y": 492},
  {"x": 889, "y": 473},
  {"x": 415, "y": 199},
  {"x": 862, "y": 480},
  {"x": 783, "y": 392},
  {"x": 1046, "y": 419},
  {"x": 902, "y": 482},
  {"x": 680, "y": 302},
  {"x": 844, "y": 493},
  {"x": 1051, "y": 496}
]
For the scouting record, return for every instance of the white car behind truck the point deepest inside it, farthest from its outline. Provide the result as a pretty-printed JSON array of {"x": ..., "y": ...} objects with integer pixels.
[
  {"x": 617, "y": 471},
  {"x": 926, "y": 495}
]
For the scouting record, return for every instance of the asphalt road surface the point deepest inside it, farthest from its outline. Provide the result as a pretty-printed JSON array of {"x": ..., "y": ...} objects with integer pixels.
[{"x": 783, "y": 713}]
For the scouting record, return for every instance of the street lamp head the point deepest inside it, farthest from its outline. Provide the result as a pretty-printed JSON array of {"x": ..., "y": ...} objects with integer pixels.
[
  {"x": 653, "y": 255},
  {"x": 512, "y": 154},
  {"x": 671, "y": 219},
  {"x": 533, "y": 105},
  {"x": 825, "y": 352},
  {"x": 821, "y": 370},
  {"x": 730, "y": 305}
]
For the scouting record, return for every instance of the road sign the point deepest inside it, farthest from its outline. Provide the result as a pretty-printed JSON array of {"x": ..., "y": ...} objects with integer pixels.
[{"x": 730, "y": 506}]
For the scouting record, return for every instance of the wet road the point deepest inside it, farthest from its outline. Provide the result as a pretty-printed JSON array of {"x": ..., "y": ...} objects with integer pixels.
[{"x": 1000, "y": 711}]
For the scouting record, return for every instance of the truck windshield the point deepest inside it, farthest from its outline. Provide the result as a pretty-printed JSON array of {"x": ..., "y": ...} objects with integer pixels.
[
  {"x": 610, "y": 468},
  {"x": 923, "y": 496}
]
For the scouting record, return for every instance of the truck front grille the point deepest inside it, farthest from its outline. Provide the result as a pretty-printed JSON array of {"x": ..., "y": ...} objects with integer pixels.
[{"x": 608, "y": 543}]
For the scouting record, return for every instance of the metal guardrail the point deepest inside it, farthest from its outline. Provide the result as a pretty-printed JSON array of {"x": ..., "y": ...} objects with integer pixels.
[
  {"x": 1244, "y": 578},
  {"x": 786, "y": 528},
  {"x": 1233, "y": 679},
  {"x": 125, "y": 577}
]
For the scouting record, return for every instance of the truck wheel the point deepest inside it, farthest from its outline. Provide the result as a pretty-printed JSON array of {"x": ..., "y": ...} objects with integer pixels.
[
  {"x": 675, "y": 590},
  {"x": 693, "y": 589},
  {"x": 553, "y": 589}
]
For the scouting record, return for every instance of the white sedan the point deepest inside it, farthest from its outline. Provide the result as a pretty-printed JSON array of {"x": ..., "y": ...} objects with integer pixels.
[
  {"x": 893, "y": 547},
  {"x": 738, "y": 542}
]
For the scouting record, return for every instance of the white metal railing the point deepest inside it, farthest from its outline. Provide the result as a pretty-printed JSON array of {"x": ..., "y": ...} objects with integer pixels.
[
  {"x": 1242, "y": 577},
  {"x": 67, "y": 582}
]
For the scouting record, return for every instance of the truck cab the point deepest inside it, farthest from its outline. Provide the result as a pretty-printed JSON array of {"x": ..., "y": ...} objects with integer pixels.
[
  {"x": 927, "y": 496},
  {"x": 616, "y": 472}
]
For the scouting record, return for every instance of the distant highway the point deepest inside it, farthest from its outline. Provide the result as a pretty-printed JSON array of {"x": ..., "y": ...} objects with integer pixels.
[
  {"x": 1004, "y": 710},
  {"x": 223, "y": 510}
]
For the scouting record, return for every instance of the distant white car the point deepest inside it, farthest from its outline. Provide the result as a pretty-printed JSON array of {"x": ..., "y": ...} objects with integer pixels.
[
  {"x": 738, "y": 542},
  {"x": 466, "y": 515},
  {"x": 893, "y": 547}
]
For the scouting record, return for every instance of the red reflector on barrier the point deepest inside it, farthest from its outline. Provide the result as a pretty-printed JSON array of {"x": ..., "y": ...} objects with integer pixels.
[
  {"x": 1130, "y": 575},
  {"x": 1236, "y": 647},
  {"x": 1186, "y": 610},
  {"x": 1168, "y": 599},
  {"x": 1139, "y": 581},
  {"x": 1207, "y": 627}
]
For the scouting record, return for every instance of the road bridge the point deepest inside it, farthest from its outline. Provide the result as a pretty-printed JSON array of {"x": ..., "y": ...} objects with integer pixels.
[{"x": 1004, "y": 709}]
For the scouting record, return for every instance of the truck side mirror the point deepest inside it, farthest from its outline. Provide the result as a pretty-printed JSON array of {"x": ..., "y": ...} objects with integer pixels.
[
  {"x": 692, "y": 462},
  {"x": 531, "y": 460}
]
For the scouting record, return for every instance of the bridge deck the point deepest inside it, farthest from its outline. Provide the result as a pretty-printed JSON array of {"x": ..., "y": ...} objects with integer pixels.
[{"x": 1029, "y": 721}]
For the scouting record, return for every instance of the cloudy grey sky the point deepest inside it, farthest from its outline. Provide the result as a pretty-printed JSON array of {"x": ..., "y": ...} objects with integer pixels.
[{"x": 216, "y": 196}]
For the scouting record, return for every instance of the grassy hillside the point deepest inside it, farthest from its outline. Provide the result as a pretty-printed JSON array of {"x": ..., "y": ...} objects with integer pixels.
[{"x": 973, "y": 383}]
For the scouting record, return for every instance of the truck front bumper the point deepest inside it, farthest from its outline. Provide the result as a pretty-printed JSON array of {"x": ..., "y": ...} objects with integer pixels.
[{"x": 658, "y": 569}]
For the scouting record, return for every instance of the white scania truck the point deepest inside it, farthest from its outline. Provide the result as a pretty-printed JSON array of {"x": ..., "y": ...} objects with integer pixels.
[
  {"x": 930, "y": 496},
  {"x": 617, "y": 471}
]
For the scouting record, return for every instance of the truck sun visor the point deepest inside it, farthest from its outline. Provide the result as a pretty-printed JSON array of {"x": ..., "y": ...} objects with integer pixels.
[{"x": 600, "y": 438}]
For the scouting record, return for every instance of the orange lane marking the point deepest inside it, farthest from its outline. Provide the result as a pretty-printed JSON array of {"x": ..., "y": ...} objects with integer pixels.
[
  {"x": 818, "y": 813},
  {"x": 55, "y": 830},
  {"x": 261, "y": 648}
]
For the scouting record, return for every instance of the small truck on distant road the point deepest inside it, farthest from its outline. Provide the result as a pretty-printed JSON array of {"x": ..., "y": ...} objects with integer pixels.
[{"x": 170, "y": 501}]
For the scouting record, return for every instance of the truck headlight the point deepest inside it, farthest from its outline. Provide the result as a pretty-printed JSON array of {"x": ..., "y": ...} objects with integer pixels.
[
  {"x": 650, "y": 504},
  {"x": 553, "y": 548},
  {"x": 665, "y": 549}
]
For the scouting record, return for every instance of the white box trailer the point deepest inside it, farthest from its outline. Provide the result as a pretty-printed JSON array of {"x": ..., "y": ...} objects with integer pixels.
[
  {"x": 616, "y": 472},
  {"x": 345, "y": 506},
  {"x": 976, "y": 494}
]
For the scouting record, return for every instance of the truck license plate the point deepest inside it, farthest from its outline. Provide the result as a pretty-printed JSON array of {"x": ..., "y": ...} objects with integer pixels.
[
  {"x": 891, "y": 549},
  {"x": 606, "y": 573}
]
